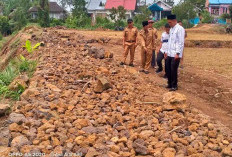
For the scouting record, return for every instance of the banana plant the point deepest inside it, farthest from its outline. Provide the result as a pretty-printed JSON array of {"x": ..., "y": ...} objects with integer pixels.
[{"x": 30, "y": 49}]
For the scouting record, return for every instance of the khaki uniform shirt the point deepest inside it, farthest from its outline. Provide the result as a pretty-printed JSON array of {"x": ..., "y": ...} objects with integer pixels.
[
  {"x": 130, "y": 35},
  {"x": 147, "y": 39},
  {"x": 156, "y": 36}
]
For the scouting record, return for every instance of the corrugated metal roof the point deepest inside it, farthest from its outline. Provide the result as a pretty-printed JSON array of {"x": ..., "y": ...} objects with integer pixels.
[
  {"x": 95, "y": 5},
  {"x": 127, "y": 4},
  {"x": 220, "y": 1}
]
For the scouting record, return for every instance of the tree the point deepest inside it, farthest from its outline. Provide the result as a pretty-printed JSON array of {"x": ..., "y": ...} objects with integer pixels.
[
  {"x": 184, "y": 10},
  {"x": 4, "y": 25},
  {"x": 118, "y": 15},
  {"x": 144, "y": 14},
  {"x": 79, "y": 8},
  {"x": 169, "y": 2},
  {"x": 43, "y": 11},
  {"x": 230, "y": 10}
]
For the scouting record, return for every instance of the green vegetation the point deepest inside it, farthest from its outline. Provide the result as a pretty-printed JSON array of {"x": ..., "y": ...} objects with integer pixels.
[
  {"x": 19, "y": 65},
  {"x": 144, "y": 14},
  {"x": 225, "y": 16},
  {"x": 206, "y": 17}
]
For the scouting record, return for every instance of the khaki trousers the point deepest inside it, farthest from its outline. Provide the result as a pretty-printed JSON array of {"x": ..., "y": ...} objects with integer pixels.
[
  {"x": 146, "y": 58},
  {"x": 128, "y": 48}
]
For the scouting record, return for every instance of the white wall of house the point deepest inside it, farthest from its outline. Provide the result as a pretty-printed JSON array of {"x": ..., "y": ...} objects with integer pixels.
[
  {"x": 162, "y": 5},
  {"x": 105, "y": 13},
  {"x": 56, "y": 15}
]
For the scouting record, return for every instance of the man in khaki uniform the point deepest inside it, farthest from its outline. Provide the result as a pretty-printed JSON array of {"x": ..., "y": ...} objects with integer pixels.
[
  {"x": 150, "y": 25},
  {"x": 129, "y": 42},
  {"x": 147, "y": 39}
]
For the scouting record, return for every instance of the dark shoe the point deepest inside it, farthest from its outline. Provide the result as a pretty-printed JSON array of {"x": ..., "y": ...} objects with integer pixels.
[
  {"x": 131, "y": 65},
  {"x": 158, "y": 71},
  {"x": 122, "y": 63},
  {"x": 146, "y": 72},
  {"x": 173, "y": 89},
  {"x": 141, "y": 70},
  {"x": 168, "y": 87}
]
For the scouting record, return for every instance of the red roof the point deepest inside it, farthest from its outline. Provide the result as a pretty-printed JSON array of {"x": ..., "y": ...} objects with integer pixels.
[{"x": 127, "y": 4}]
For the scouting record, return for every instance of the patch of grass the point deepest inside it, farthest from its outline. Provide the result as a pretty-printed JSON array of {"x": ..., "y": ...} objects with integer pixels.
[{"x": 14, "y": 68}]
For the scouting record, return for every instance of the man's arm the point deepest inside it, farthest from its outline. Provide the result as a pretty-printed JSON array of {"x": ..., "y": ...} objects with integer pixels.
[
  {"x": 123, "y": 40},
  {"x": 142, "y": 41},
  {"x": 136, "y": 38},
  {"x": 180, "y": 42}
]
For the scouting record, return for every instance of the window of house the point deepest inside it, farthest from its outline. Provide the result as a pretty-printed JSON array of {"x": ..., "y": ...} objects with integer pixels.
[
  {"x": 224, "y": 10},
  {"x": 215, "y": 10}
]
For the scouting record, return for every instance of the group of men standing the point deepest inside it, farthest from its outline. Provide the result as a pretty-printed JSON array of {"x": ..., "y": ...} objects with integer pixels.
[{"x": 170, "y": 49}]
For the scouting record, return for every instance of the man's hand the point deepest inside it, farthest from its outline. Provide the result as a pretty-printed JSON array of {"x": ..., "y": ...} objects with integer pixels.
[
  {"x": 165, "y": 56},
  {"x": 136, "y": 44},
  {"x": 145, "y": 49},
  {"x": 177, "y": 57}
]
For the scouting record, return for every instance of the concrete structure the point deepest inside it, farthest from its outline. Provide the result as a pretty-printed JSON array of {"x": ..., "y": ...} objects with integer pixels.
[{"x": 218, "y": 7}]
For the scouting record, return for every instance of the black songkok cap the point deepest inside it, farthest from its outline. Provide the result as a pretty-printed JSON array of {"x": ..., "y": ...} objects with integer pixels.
[
  {"x": 171, "y": 17},
  {"x": 129, "y": 20},
  {"x": 145, "y": 23}
]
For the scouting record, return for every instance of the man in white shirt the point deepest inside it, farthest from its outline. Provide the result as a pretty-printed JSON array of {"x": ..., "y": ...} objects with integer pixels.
[
  {"x": 163, "y": 49},
  {"x": 175, "y": 51}
]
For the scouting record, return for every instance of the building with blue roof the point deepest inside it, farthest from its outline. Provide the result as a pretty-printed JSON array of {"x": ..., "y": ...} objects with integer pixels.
[
  {"x": 218, "y": 7},
  {"x": 160, "y": 10}
]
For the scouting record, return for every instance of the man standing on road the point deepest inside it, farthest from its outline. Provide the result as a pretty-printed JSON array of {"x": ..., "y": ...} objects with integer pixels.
[
  {"x": 175, "y": 51},
  {"x": 129, "y": 42},
  {"x": 150, "y": 25},
  {"x": 147, "y": 39},
  {"x": 163, "y": 49}
]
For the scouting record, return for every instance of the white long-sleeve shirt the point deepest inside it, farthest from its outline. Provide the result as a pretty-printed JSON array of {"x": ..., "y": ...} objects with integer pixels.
[
  {"x": 164, "y": 41},
  {"x": 176, "y": 41}
]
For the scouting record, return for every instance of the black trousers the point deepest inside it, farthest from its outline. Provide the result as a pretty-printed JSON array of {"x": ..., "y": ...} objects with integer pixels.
[
  {"x": 153, "y": 59},
  {"x": 160, "y": 57},
  {"x": 172, "y": 71}
]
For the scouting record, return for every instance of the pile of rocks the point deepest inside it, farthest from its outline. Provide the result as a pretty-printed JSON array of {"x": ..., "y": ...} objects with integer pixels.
[{"x": 95, "y": 108}]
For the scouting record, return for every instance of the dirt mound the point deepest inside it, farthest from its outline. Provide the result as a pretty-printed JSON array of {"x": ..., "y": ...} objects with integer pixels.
[
  {"x": 208, "y": 28},
  {"x": 77, "y": 104}
]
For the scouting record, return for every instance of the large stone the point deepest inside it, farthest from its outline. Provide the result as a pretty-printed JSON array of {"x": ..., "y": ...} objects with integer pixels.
[
  {"x": 102, "y": 84},
  {"x": 96, "y": 53},
  {"x": 227, "y": 151},
  {"x": 21, "y": 80},
  {"x": 139, "y": 147},
  {"x": 16, "y": 118},
  {"x": 4, "y": 108},
  {"x": 169, "y": 152},
  {"x": 146, "y": 134},
  {"x": 19, "y": 141},
  {"x": 91, "y": 153},
  {"x": 174, "y": 101}
]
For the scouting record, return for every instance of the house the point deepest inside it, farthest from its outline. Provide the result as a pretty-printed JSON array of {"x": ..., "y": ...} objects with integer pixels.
[
  {"x": 96, "y": 9},
  {"x": 55, "y": 11},
  {"x": 160, "y": 10},
  {"x": 101, "y": 8},
  {"x": 129, "y": 5},
  {"x": 218, "y": 7}
]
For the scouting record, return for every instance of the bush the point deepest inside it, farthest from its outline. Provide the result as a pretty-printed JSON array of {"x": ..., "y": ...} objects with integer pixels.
[
  {"x": 56, "y": 22},
  {"x": 160, "y": 23},
  {"x": 225, "y": 16},
  {"x": 206, "y": 17},
  {"x": 187, "y": 24},
  {"x": 104, "y": 23},
  {"x": 82, "y": 21},
  {"x": 1, "y": 36},
  {"x": 4, "y": 25}
]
